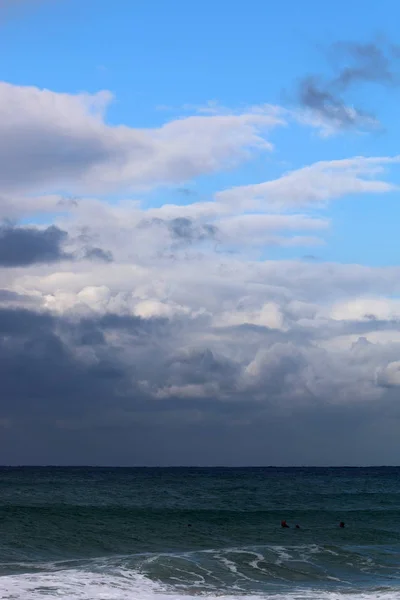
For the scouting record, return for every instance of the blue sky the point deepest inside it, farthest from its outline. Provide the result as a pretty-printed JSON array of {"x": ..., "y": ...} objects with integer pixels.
[{"x": 159, "y": 57}]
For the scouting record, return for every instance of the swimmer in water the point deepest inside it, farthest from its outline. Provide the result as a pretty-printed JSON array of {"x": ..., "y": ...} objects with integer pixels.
[
  {"x": 297, "y": 526},
  {"x": 341, "y": 525},
  {"x": 284, "y": 525}
]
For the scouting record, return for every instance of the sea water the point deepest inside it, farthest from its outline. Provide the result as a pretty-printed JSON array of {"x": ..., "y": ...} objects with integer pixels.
[{"x": 153, "y": 534}]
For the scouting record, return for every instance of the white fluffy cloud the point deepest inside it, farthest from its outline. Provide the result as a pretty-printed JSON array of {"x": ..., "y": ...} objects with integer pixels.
[
  {"x": 57, "y": 140},
  {"x": 314, "y": 184},
  {"x": 389, "y": 375},
  {"x": 367, "y": 309}
]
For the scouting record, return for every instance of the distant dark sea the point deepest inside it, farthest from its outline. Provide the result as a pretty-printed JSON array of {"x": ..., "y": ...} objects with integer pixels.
[{"x": 102, "y": 533}]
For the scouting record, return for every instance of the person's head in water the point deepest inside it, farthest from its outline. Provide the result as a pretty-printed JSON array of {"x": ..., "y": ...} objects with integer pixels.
[
  {"x": 284, "y": 524},
  {"x": 341, "y": 524},
  {"x": 297, "y": 526}
]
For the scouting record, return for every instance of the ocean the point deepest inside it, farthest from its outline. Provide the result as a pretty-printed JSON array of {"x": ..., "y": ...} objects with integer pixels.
[{"x": 158, "y": 534}]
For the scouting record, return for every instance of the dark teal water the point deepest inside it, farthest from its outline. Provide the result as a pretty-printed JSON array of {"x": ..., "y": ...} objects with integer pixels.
[{"x": 141, "y": 533}]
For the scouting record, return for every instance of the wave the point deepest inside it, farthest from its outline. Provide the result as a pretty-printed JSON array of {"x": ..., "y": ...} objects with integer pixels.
[
  {"x": 293, "y": 572},
  {"x": 75, "y": 584}
]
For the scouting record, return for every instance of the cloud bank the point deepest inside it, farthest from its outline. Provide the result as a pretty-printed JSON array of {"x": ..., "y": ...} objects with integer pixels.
[{"x": 138, "y": 334}]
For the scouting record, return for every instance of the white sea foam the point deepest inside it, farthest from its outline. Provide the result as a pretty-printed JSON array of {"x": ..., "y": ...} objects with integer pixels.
[{"x": 129, "y": 585}]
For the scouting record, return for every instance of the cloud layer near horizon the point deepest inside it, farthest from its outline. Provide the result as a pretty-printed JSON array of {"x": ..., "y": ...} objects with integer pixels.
[{"x": 132, "y": 334}]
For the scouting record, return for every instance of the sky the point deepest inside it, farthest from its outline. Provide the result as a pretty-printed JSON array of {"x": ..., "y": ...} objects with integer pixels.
[{"x": 199, "y": 206}]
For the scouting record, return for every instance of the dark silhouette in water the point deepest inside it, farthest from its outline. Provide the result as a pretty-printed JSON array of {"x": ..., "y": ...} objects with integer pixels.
[{"x": 284, "y": 525}]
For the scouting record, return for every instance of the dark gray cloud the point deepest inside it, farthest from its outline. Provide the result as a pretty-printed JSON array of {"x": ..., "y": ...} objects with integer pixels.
[
  {"x": 372, "y": 62},
  {"x": 318, "y": 96},
  {"x": 24, "y": 246},
  {"x": 185, "y": 229},
  {"x": 65, "y": 156},
  {"x": 89, "y": 250},
  {"x": 118, "y": 389},
  {"x": 355, "y": 63},
  {"x": 21, "y": 246},
  {"x": 189, "y": 193},
  {"x": 95, "y": 253},
  {"x": 9, "y": 297},
  {"x": 311, "y": 257},
  {"x": 182, "y": 229}
]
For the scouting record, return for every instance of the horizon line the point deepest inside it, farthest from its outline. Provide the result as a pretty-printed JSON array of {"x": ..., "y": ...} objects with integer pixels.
[{"x": 89, "y": 466}]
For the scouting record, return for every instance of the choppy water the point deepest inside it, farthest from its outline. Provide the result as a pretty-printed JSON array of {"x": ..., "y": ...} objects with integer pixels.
[{"x": 157, "y": 533}]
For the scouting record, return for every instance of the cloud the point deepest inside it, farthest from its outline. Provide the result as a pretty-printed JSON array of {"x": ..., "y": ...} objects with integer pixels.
[
  {"x": 315, "y": 184},
  {"x": 24, "y": 246},
  {"x": 389, "y": 376},
  {"x": 21, "y": 246},
  {"x": 372, "y": 62},
  {"x": 10, "y": 299},
  {"x": 260, "y": 229},
  {"x": 98, "y": 254},
  {"x": 107, "y": 376},
  {"x": 327, "y": 111},
  {"x": 16, "y": 206},
  {"x": 312, "y": 185},
  {"x": 237, "y": 218},
  {"x": 57, "y": 140},
  {"x": 367, "y": 309},
  {"x": 356, "y": 63},
  {"x": 182, "y": 229}
]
